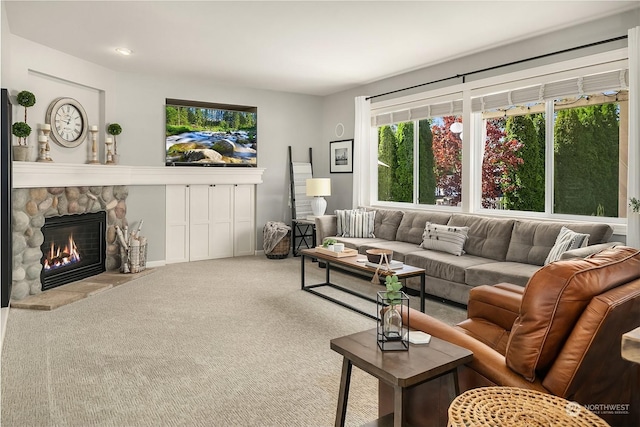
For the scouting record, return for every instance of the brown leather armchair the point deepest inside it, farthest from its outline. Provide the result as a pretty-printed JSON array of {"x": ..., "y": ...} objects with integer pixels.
[{"x": 561, "y": 334}]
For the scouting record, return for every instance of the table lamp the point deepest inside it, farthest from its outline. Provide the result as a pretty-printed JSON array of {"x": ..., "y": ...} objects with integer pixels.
[{"x": 318, "y": 188}]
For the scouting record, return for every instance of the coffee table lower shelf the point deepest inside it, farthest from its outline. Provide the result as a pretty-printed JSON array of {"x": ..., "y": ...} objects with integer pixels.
[{"x": 406, "y": 272}]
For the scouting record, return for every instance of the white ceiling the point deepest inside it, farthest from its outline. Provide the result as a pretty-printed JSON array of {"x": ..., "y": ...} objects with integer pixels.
[{"x": 310, "y": 47}]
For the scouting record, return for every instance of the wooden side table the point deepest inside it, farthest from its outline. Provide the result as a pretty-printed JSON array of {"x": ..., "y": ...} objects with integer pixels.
[
  {"x": 515, "y": 407},
  {"x": 399, "y": 369}
]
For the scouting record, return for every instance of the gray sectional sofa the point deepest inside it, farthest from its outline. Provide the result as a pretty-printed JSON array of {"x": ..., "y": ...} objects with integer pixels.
[{"x": 496, "y": 250}]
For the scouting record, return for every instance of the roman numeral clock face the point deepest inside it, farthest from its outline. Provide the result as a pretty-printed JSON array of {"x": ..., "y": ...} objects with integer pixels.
[{"x": 68, "y": 122}]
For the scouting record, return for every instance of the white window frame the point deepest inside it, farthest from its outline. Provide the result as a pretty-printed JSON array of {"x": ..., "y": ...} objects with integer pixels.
[{"x": 472, "y": 131}]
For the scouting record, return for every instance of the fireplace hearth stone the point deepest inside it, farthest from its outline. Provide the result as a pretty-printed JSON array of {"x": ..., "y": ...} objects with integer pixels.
[{"x": 77, "y": 291}]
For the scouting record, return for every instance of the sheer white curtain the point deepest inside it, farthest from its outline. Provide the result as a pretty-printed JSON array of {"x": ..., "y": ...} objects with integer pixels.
[
  {"x": 633, "y": 183},
  {"x": 361, "y": 152}
]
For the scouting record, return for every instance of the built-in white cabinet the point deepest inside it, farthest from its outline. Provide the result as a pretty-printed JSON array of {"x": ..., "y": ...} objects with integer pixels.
[{"x": 210, "y": 221}]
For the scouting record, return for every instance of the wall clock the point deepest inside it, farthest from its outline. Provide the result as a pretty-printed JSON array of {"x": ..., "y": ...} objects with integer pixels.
[{"x": 68, "y": 122}]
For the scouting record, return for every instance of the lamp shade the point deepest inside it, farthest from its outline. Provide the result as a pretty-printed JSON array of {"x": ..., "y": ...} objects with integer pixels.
[{"x": 319, "y": 187}]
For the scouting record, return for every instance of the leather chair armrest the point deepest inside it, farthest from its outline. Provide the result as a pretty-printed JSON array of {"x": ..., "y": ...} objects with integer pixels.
[
  {"x": 486, "y": 361},
  {"x": 589, "y": 250},
  {"x": 326, "y": 226},
  {"x": 498, "y": 304}
]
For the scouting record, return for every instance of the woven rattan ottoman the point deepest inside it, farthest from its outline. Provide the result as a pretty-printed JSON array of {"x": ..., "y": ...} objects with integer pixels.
[{"x": 515, "y": 407}]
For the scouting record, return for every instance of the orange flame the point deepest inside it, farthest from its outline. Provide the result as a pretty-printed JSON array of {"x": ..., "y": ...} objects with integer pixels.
[{"x": 59, "y": 256}]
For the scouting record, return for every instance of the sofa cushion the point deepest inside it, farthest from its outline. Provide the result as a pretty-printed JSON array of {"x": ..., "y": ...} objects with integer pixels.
[
  {"x": 566, "y": 241},
  {"x": 555, "y": 298},
  {"x": 488, "y": 237},
  {"x": 357, "y": 242},
  {"x": 412, "y": 225},
  {"x": 400, "y": 249},
  {"x": 500, "y": 272},
  {"x": 531, "y": 241},
  {"x": 387, "y": 223},
  {"x": 443, "y": 265},
  {"x": 444, "y": 238}
]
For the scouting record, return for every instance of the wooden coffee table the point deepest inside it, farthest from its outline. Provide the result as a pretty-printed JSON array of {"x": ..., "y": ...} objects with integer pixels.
[
  {"x": 351, "y": 262},
  {"x": 399, "y": 369}
]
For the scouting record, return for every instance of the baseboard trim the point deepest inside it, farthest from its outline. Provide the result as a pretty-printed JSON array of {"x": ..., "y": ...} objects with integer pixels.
[
  {"x": 152, "y": 264},
  {"x": 4, "y": 316}
]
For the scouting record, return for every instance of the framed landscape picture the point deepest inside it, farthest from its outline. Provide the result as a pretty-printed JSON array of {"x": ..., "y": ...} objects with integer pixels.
[{"x": 341, "y": 156}]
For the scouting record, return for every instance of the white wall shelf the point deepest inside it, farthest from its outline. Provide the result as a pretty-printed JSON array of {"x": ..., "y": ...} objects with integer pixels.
[{"x": 34, "y": 175}]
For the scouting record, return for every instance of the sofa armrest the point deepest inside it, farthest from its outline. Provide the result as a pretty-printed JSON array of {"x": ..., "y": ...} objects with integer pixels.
[
  {"x": 498, "y": 304},
  {"x": 589, "y": 250},
  {"x": 486, "y": 361},
  {"x": 326, "y": 226}
]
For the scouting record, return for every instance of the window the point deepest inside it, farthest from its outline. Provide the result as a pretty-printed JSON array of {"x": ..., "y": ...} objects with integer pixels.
[
  {"x": 586, "y": 155},
  {"x": 420, "y": 161},
  {"x": 513, "y": 160},
  {"x": 583, "y": 114},
  {"x": 549, "y": 143}
]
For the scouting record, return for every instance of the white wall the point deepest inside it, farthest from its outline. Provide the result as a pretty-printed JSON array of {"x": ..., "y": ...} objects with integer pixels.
[
  {"x": 339, "y": 107},
  {"x": 137, "y": 103}
]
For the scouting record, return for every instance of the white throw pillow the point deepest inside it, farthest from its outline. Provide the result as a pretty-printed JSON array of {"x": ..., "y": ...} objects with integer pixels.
[
  {"x": 566, "y": 240},
  {"x": 444, "y": 238}
]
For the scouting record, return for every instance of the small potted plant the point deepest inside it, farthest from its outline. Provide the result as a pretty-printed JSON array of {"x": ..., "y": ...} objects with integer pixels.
[
  {"x": 328, "y": 243},
  {"x": 114, "y": 129},
  {"x": 392, "y": 319},
  {"x": 634, "y": 204},
  {"x": 21, "y": 129}
]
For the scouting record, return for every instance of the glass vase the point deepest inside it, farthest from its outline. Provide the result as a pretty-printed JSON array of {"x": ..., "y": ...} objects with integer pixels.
[{"x": 392, "y": 324}]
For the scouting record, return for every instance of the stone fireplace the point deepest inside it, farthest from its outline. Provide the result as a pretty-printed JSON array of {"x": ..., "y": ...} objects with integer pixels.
[{"x": 31, "y": 209}]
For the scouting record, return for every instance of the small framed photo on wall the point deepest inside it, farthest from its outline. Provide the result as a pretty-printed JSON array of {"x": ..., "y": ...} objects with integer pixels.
[{"x": 341, "y": 156}]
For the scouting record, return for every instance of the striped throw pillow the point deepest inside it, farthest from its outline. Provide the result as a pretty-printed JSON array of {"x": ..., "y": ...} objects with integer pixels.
[
  {"x": 355, "y": 223},
  {"x": 341, "y": 223},
  {"x": 444, "y": 238},
  {"x": 566, "y": 240},
  {"x": 361, "y": 224}
]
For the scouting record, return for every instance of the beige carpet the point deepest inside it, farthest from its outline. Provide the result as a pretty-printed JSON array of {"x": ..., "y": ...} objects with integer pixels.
[{"x": 231, "y": 342}]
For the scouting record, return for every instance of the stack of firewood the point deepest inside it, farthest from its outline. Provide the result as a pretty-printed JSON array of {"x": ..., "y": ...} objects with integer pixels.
[{"x": 133, "y": 249}]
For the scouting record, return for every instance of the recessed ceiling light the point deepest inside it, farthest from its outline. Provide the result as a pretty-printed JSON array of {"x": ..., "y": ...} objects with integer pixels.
[{"x": 124, "y": 51}]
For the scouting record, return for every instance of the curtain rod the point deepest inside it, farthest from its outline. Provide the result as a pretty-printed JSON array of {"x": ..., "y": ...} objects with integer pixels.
[{"x": 463, "y": 76}]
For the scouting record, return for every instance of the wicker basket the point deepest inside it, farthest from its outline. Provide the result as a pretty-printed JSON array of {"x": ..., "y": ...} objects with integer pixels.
[
  {"x": 515, "y": 407},
  {"x": 136, "y": 259},
  {"x": 281, "y": 250}
]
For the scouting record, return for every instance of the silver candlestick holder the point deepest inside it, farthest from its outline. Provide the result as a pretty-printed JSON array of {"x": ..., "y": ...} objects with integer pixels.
[
  {"x": 108, "y": 142},
  {"x": 94, "y": 146},
  {"x": 44, "y": 149}
]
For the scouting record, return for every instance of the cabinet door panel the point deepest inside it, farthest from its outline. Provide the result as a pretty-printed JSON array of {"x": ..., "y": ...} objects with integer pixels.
[
  {"x": 199, "y": 222},
  {"x": 177, "y": 208},
  {"x": 221, "y": 205}
]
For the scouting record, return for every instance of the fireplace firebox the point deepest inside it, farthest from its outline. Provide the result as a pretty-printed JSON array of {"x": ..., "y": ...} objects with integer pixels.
[{"x": 74, "y": 248}]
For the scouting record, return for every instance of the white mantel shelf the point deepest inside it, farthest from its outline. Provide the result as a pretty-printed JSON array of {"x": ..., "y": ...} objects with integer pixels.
[{"x": 34, "y": 175}]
